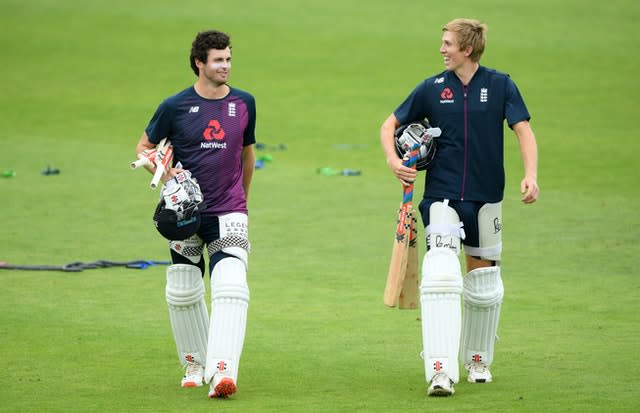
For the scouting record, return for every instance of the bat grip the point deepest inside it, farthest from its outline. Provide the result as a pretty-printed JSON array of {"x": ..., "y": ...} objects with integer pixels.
[
  {"x": 410, "y": 162},
  {"x": 139, "y": 163},
  {"x": 156, "y": 176},
  {"x": 145, "y": 157},
  {"x": 162, "y": 166},
  {"x": 407, "y": 195}
]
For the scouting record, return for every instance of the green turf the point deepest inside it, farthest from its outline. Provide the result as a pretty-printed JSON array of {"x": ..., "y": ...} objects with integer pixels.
[{"x": 79, "y": 82}]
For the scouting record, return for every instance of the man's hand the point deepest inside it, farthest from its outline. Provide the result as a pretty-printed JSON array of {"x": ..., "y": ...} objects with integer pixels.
[
  {"x": 529, "y": 190},
  {"x": 405, "y": 174}
]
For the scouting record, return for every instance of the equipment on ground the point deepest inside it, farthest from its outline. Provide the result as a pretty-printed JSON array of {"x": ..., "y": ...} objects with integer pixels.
[{"x": 78, "y": 266}]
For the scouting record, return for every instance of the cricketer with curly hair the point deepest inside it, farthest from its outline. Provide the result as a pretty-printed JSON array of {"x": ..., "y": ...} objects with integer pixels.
[{"x": 212, "y": 128}]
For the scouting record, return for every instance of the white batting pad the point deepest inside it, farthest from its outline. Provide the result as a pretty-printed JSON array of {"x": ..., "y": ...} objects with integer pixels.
[
  {"x": 188, "y": 312},
  {"x": 235, "y": 228},
  {"x": 483, "y": 292},
  {"x": 490, "y": 233},
  {"x": 440, "y": 296},
  {"x": 190, "y": 248},
  {"x": 445, "y": 228},
  {"x": 229, "y": 305}
]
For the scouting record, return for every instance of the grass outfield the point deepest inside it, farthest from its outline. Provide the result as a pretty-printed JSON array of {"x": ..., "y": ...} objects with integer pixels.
[{"x": 79, "y": 82}]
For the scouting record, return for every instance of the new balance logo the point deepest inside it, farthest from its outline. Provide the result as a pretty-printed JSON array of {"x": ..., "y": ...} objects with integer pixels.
[
  {"x": 232, "y": 110},
  {"x": 194, "y": 109}
]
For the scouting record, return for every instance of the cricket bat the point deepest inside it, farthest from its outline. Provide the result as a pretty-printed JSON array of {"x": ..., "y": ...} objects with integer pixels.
[
  {"x": 410, "y": 291},
  {"x": 164, "y": 157},
  {"x": 399, "y": 258},
  {"x": 400, "y": 250},
  {"x": 146, "y": 157},
  {"x": 161, "y": 157}
]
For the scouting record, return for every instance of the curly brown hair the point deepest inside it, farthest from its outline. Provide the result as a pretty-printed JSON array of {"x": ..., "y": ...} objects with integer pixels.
[{"x": 205, "y": 41}]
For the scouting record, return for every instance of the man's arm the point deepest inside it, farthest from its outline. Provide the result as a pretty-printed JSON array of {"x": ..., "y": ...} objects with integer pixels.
[
  {"x": 403, "y": 173},
  {"x": 248, "y": 166},
  {"x": 529, "y": 153},
  {"x": 143, "y": 145}
]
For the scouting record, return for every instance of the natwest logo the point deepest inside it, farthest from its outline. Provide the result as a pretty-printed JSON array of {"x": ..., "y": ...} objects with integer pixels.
[
  {"x": 446, "y": 93},
  {"x": 213, "y": 131},
  {"x": 446, "y": 96}
]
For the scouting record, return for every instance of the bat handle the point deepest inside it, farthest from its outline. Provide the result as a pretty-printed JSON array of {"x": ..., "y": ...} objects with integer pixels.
[
  {"x": 140, "y": 163},
  {"x": 410, "y": 161},
  {"x": 411, "y": 158},
  {"x": 162, "y": 165},
  {"x": 157, "y": 176},
  {"x": 145, "y": 157}
]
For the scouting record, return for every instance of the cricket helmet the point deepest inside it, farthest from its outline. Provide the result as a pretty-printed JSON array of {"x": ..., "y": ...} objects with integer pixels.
[
  {"x": 177, "y": 215},
  {"x": 174, "y": 225},
  {"x": 407, "y": 135}
]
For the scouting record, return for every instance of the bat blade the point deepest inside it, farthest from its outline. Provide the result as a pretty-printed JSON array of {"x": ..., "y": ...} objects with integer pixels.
[
  {"x": 399, "y": 256},
  {"x": 410, "y": 292},
  {"x": 400, "y": 250}
]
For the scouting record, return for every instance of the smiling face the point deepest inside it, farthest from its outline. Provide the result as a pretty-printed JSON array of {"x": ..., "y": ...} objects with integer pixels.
[
  {"x": 217, "y": 67},
  {"x": 454, "y": 58}
]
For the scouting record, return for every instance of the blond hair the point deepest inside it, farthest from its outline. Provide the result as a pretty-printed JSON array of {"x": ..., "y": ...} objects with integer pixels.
[{"x": 470, "y": 32}]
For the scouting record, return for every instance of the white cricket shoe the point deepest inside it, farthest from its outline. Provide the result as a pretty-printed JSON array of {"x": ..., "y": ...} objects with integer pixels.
[
  {"x": 478, "y": 373},
  {"x": 222, "y": 386},
  {"x": 441, "y": 385},
  {"x": 193, "y": 375}
]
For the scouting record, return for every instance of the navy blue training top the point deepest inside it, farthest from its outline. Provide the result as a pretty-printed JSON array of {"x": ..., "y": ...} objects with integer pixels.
[
  {"x": 469, "y": 161},
  {"x": 208, "y": 136}
]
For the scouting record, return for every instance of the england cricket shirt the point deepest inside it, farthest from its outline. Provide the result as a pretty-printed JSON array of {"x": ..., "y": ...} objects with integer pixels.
[
  {"x": 469, "y": 161},
  {"x": 208, "y": 136}
]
